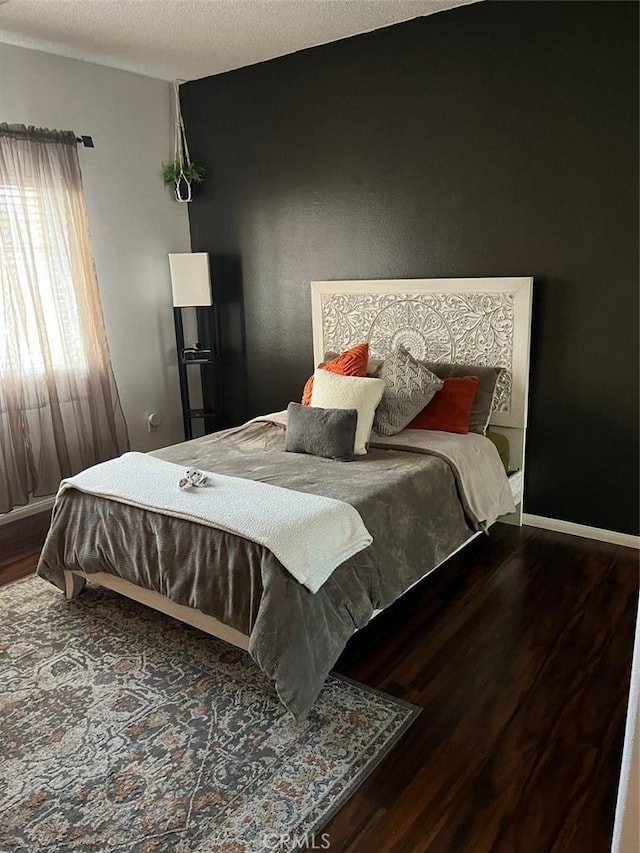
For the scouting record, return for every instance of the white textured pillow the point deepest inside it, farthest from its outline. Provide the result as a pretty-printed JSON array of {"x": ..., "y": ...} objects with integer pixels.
[{"x": 332, "y": 391}]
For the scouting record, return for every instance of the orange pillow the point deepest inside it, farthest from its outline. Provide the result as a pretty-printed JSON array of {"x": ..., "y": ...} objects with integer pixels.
[
  {"x": 352, "y": 362},
  {"x": 450, "y": 408}
]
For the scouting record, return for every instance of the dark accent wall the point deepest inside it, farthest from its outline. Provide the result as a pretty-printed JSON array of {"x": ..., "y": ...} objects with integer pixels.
[{"x": 493, "y": 139}]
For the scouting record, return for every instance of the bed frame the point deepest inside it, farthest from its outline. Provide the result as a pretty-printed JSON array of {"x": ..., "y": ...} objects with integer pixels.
[{"x": 481, "y": 321}]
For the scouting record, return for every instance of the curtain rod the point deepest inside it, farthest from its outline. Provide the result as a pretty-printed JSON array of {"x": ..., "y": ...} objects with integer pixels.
[{"x": 87, "y": 141}]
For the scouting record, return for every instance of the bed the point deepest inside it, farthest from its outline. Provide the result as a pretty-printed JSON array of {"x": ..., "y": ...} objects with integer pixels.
[{"x": 409, "y": 497}]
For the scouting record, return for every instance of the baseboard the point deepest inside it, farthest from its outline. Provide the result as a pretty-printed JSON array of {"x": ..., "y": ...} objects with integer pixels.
[
  {"x": 33, "y": 508},
  {"x": 625, "y": 539}
]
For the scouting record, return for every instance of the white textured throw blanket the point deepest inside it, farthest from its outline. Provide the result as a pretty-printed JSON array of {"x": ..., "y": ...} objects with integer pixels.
[{"x": 309, "y": 534}]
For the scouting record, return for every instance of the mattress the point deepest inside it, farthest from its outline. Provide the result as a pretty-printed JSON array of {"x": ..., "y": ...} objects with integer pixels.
[{"x": 408, "y": 501}]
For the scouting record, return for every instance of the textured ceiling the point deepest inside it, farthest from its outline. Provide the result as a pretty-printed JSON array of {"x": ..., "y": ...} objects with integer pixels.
[{"x": 187, "y": 39}]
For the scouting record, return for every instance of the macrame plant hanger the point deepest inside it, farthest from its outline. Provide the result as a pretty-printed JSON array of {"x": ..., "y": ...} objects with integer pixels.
[{"x": 180, "y": 149}]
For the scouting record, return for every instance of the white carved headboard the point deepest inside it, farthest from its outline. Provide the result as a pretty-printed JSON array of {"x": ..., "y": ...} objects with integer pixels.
[{"x": 483, "y": 321}]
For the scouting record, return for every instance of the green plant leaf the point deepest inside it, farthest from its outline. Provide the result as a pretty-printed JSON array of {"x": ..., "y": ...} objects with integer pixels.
[{"x": 172, "y": 170}]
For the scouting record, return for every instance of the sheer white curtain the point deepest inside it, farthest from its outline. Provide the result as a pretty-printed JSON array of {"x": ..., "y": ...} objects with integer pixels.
[{"x": 59, "y": 407}]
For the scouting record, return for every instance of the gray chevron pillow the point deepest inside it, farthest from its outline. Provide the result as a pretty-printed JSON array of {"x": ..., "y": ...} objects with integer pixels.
[{"x": 408, "y": 387}]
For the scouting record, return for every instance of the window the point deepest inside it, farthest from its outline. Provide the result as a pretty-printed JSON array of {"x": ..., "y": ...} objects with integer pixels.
[{"x": 44, "y": 281}]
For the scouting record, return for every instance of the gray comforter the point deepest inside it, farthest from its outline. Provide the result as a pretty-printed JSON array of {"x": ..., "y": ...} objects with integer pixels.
[{"x": 409, "y": 503}]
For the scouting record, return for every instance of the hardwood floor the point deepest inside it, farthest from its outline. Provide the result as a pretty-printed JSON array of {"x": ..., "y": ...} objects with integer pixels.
[
  {"x": 20, "y": 544},
  {"x": 519, "y": 653}
]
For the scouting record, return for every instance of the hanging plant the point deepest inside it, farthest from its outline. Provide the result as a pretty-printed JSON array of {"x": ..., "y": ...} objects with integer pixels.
[
  {"x": 180, "y": 173},
  {"x": 180, "y": 176}
]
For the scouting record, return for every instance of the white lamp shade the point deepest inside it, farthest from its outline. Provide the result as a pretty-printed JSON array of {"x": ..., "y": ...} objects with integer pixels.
[{"x": 190, "y": 279}]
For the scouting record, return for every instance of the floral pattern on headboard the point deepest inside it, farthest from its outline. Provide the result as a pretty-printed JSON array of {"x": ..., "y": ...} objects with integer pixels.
[{"x": 458, "y": 328}]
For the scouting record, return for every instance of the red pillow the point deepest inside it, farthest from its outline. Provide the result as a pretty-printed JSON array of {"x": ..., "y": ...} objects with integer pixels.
[
  {"x": 352, "y": 362},
  {"x": 450, "y": 408}
]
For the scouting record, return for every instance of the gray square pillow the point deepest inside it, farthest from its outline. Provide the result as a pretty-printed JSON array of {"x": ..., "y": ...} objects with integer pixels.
[
  {"x": 321, "y": 432},
  {"x": 408, "y": 386},
  {"x": 483, "y": 401}
]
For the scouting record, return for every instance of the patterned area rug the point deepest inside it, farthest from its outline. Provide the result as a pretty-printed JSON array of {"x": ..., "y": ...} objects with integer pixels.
[{"x": 125, "y": 730}]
